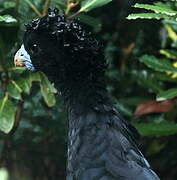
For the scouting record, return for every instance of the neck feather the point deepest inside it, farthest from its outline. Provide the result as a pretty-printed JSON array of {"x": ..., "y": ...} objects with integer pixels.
[{"x": 83, "y": 95}]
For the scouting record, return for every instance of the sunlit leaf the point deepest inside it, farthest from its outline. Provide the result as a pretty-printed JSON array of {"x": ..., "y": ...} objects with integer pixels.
[
  {"x": 87, "y": 5},
  {"x": 172, "y": 34},
  {"x": 7, "y": 19},
  {"x": 157, "y": 9},
  {"x": 172, "y": 54},
  {"x": 146, "y": 16},
  {"x": 171, "y": 93},
  {"x": 7, "y": 114}
]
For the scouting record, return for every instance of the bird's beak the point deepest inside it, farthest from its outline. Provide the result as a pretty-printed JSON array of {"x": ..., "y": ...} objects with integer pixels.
[{"x": 22, "y": 58}]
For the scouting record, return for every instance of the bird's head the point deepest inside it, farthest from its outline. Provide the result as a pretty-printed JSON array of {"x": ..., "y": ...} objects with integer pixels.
[{"x": 60, "y": 47}]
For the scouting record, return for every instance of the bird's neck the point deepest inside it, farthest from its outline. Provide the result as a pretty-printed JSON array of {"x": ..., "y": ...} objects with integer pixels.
[
  {"x": 80, "y": 96},
  {"x": 79, "y": 74}
]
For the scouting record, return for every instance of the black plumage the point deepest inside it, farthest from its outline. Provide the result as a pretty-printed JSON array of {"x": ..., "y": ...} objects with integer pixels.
[{"x": 101, "y": 144}]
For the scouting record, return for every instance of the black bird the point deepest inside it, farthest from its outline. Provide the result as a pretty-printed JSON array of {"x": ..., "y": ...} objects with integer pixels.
[{"x": 101, "y": 144}]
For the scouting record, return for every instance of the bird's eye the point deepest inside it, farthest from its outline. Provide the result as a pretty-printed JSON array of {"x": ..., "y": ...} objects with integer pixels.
[{"x": 34, "y": 49}]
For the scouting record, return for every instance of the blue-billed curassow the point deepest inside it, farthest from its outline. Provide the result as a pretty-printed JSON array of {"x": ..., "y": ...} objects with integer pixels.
[{"x": 101, "y": 144}]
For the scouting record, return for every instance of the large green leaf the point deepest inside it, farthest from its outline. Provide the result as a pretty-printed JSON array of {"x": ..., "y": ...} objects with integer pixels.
[
  {"x": 157, "y": 9},
  {"x": 158, "y": 64},
  {"x": 153, "y": 129},
  {"x": 87, "y": 5},
  {"x": 8, "y": 19},
  {"x": 14, "y": 89},
  {"x": 7, "y": 114},
  {"x": 146, "y": 16},
  {"x": 171, "y": 93},
  {"x": 47, "y": 90}
]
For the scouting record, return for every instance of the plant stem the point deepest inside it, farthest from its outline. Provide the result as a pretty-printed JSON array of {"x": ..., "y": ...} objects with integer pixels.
[
  {"x": 17, "y": 116},
  {"x": 74, "y": 15},
  {"x": 46, "y": 6},
  {"x": 33, "y": 7}
]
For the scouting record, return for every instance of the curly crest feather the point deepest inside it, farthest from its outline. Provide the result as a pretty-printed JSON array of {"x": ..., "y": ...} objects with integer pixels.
[{"x": 71, "y": 55}]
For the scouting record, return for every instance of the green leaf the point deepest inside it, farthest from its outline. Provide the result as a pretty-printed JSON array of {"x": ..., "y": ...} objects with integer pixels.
[
  {"x": 172, "y": 54},
  {"x": 147, "y": 80},
  {"x": 153, "y": 129},
  {"x": 35, "y": 76},
  {"x": 47, "y": 90},
  {"x": 87, "y": 5},
  {"x": 157, "y": 9},
  {"x": 158, "y": 64},
  {"x": 171, "y": 93},
  {"x": 170, "y": 22},
  {"x": 123, "y": 109},
  {"x": 25, "y": 84},
  {"x": 9, "y": 4},
  {"x": 14, "y": 90},
  {"x": 146, "y": 16},
  {"x": 7, "y": 115},
  {"x": 164, "y": 77},
  {"x": 7, "y": 19},
  {"x": 91, "y": 21},
  {"x": 17, "y": 69}
]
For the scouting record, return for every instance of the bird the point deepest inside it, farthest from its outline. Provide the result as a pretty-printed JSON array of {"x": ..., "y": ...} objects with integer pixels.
[{"x": 102, "y": 145}]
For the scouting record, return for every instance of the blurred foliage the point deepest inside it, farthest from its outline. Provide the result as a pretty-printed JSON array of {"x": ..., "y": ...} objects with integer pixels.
[{"x": 142, "y": 58}]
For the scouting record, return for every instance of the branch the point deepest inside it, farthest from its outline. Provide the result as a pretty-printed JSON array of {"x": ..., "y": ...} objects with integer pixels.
[
  {"x": 74, "y": 15},
  {"x": 46, "y": 6},
  {"x": 32, "y": 6},
  {"x": 17, "y": 116}
]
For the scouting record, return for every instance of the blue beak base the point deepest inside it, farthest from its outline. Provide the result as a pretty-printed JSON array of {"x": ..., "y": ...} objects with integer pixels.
[{"x": 22, "y": 58}]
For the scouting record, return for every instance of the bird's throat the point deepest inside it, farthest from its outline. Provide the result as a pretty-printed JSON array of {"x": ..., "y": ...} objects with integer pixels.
[{"x": 80, "y": 96}]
